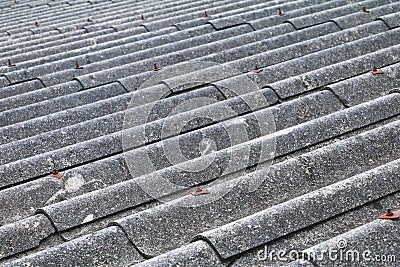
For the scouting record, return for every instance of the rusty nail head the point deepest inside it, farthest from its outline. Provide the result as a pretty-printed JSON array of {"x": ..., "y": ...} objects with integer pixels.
[
  {"x": 155, "y": 67},
  {"x": 9, "y": 64},
  {"x": 142, "y": 17},
  {"x": 89, "y": 20},
  {"x": 205, "y": 14},
  {"x": 280, "y": 12},
  {"x": 57, "y": 174},
  {"x": 376, "y": 71},
  {"x": 77, "y": 67},
  {"x": 37, "y": 24},
  {"x": 257, "y": 70},
  {"x": 389, "y": 214},
  {"x": 365, "y": 10},
  {"x": 199, "y": 191}
]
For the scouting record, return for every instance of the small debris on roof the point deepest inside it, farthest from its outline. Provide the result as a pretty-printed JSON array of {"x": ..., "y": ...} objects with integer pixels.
[
  {"x": 365, "y": 10},
  {"x": 155, "y": 67},
  {"x": 57, "y": 174},
  {"x": 389, "y": 214},
  {"x": 257, "y": 69},
  {"x": 280, "y": 12},
  {"x": 199, "y": 191},
  {"x": 77, "y": 66},
  {"x": 376, "y": 71},
  {"x": 9, "y": 64}
]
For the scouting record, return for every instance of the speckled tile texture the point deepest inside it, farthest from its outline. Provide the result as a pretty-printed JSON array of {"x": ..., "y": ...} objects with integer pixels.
[{"x": 199, "y": 132}]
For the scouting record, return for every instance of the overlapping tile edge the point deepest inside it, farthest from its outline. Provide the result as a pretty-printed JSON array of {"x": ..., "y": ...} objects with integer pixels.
[{"x": 121, "y": 239}]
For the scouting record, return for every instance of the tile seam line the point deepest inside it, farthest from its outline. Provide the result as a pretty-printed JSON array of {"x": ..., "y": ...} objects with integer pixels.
[
  {"x": 313, "y": 25},
  {"x": 333, "y": 21},
  {"x": 205, "y": 239},
  {"x": 80, "y": 84},
  {"x": 384, "y": 22},
  {"x": 119, "y": 82},
  {"x": 40, "y": 80},
  {"x": 56, "y": 231},
  {"x": 248, "y": 23},
  {"x": 232, "y": 26},
  {"x": 142, "y": 254},
  {"x": 291, "y": 24},
  {"x": 144, "y": 26},
  {"x": 8, "y": 80},
  {"x": 280, "y": 99},
  {"x": 342, "y": 101},
  {"x": 176, "y": 27}
]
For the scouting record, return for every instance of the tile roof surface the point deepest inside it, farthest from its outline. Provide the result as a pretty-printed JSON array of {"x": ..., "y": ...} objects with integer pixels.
[{"x": 285, "y": 112}]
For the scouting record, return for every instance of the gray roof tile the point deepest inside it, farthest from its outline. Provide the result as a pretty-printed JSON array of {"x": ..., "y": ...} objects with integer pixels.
[
  {"x": 91, "y": 227},
  {"x": 198, "y": 253},
  {"x": 366, "y": 87},
  {"x": 96, "y": 78},
  {"x": 186, "y": 223},
  {"x": 249, "y": 50},
  {"x": 190, "y": 11},
  {"x": 21, "y": 201},
  {"x": 30, "y": 34},
  {"x": 3, "y": 82},
  {"x": 353, "y": 20},
  {"x": 338, "y": 54},
  {"x": 378, "y": 237},
  {"x": 330, "y": 123},
  {"x": 93, "y": 128},
  {"x": 39, "y": 165},
  {"x": 20, "y": 88},
  {"x": 58, "y": 210},
  {"x": 38, "y": 95},
  {"x": 299, "y": 212},
  {"x": 103, "y": 49},
  {"x": 275, "y": 19},
  {"x": 336, "y": 72},
  {"x": 300, "y": 263},
  {"x": 284, "y": 54},
  {"x": 392, "y": 20},
  {"x": 61, "y": 103},
  {"x": 106, "y": 247},
  {"x": 191, "y": 23},
  {"x": 266, "y": 254},
  {"x": 321, "y": 17},
  {"x": 63, "y": 118},
  {"x": 20, "y": 46},
  {"x": 24, "y": 234},
  {"x": 261, "y": 12},
  {"x": 99, "y": 73}
]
